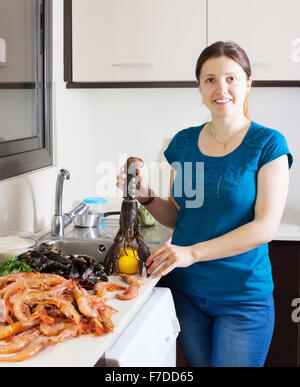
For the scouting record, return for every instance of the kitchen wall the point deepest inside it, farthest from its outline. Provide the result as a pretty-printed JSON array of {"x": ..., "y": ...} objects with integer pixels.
[{"x": 96, "y": 126}]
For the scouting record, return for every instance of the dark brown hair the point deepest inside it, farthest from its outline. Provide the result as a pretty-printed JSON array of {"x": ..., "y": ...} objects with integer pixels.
[{"x": 233, "y": 51}]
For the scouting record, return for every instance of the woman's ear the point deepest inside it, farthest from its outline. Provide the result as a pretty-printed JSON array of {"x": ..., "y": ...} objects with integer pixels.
[{"x": 249, "y": 84}]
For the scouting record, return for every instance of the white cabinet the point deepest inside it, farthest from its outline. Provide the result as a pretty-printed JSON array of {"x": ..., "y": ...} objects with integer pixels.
[
  {"x": 137, "y": 40},
  {"x": 268, "y": 30}
]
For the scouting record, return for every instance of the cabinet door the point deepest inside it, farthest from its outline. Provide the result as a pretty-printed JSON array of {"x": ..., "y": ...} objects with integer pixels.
[
  {"x": 268, "y": 30},
  {"x": 137, "y": 40},
  {"x": 285, "y": 260}
]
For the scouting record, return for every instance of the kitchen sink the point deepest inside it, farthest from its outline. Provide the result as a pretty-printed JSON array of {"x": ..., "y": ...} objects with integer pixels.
[
  {"x": 96, "y": 241},
  {"x": 92, "y": 247},
  {"x": 95, "y": 248}
]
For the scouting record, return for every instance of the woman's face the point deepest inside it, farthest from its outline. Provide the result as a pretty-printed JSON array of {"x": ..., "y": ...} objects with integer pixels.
[{"x": 224, "y": 86}]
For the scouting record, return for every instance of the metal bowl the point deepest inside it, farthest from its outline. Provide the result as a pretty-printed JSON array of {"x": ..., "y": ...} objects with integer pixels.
[{"x": 86, "y": 220}]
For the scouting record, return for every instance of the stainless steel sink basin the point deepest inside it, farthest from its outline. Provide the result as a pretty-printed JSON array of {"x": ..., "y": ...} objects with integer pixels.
[
  {"x": 94, "y": 248},
  {"x": 96, "y": 241}
]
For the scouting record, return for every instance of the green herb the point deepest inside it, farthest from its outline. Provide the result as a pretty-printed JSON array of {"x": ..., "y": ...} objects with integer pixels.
[
  {"x": 13, "y": 265},
  {"x": 145, "y": 218}
]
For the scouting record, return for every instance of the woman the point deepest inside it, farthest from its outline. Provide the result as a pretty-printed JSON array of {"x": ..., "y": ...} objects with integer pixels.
[{"x": 217, "y": 263}]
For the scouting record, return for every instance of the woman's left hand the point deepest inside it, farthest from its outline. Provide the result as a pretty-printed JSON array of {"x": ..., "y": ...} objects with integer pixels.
[{"x": 170, "y": 256}]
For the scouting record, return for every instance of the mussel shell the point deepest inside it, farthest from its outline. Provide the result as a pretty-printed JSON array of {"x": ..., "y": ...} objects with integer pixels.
[{"x": 47, "y": 258}]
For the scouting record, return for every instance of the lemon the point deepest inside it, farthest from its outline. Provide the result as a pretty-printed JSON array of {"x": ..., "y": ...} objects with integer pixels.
[
  {"x": 128, "y": 264},
  {"x": 128, "y": 251}
]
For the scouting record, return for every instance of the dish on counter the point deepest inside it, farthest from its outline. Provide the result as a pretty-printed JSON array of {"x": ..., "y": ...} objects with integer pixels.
[{"x": 14, "y": 243}]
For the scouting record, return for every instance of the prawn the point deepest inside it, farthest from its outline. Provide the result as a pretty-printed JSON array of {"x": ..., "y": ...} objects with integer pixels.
[
  {"x": 105, "y": 315},
  {"x": 20, "y": 341},
  {"x": 82, "y": 298},
  {"x": 28, "y": 352},
  {"x": 55, "y": 328},
  {"x": 15, "y": 328},
  {"x": 102, "y": 287},
  {"x": 13, "y": 278},
  {"x": 35, "y": 297},
  {"x": 66, "y": 334},
  {"x": 2, "y": 311},
  {"x": 133, "y": 289}
]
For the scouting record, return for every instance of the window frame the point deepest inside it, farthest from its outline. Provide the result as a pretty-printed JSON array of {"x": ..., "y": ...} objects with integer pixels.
[{"x": 29, "y": 154}]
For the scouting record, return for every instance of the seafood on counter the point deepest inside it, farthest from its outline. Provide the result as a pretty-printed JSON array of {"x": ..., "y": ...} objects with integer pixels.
[
  {"x": 130, "y": 292},
  {"x": 129, "y": 232},
  {"x": 48, "y": 258},
  {"x": 101, "y": 288},
  {"x": 133, "y": 289},
  {"x": 38, "y": 310}
]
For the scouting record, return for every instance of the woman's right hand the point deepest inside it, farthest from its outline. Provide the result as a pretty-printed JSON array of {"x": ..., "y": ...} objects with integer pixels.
[{"x": 143, "y": 188}]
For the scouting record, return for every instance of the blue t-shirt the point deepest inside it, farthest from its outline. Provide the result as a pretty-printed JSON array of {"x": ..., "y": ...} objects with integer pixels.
[{"x": 217, "y": 195}]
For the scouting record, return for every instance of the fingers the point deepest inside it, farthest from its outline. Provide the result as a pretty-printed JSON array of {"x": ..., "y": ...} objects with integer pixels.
[
  {"x": 165, "y": 269},
  {"x": 121, "y": 178},
  {"x": 157, "y": 263},
  {"x": 155, "y": 254},
  {"x": 161, "y": 257}
]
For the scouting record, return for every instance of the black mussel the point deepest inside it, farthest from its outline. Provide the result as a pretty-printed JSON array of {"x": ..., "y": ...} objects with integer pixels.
[
  {"x": 88, "y": 259},
  {"x": 79, "y": 263},
  {"x": 49, "y": 248},
  {"x": 61, "y": 259},
  {"x": 25, "y": 256},
  {"x": 87, "y": 273},
  {"x": 55, "y": 268},
  {"x": 48, "y": 258}
]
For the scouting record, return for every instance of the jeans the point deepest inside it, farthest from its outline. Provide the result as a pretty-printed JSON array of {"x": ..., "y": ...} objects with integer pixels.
[{"x": 215, "y": 334}]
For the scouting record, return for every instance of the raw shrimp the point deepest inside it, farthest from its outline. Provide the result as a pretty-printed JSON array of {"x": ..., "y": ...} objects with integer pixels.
[
  {"x": 35, "y": 297},
  {"x": 13, "y": 277},
  {"x": 2, "y": 311},
  {"x": 15, "y": 328},
  {"x": 105, "y": 317},
  {"x": 28, "y": 352},
  {"x": 82, "y": 298},
  {"x": 20, "y": 341},
  {"x": 22, "y": 283},
  {"x": 66, "y": 334},
  {"x": 56, "y": 327},
  {"x": 101, "y": 288},
  {"x": 133, "y": 289},
  {"x": 132, "y": 280}
]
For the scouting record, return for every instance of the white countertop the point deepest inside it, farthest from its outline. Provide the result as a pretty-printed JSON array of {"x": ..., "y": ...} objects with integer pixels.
[
  {"x": 86, "y": 350},
  {"x": 289, "y": 228}
]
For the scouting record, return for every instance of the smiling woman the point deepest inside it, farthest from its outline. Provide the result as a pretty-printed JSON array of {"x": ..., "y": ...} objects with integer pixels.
[
  {"x": 217, "y": 263},
  {"x": 25, "y": 86}
]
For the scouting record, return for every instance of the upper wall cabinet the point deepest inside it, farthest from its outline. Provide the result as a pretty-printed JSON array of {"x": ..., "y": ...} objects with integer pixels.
[
  {"x": 268, "y": 30},
  {"x": 137, "y": 40},
  {"x": 156, "y": 43}
]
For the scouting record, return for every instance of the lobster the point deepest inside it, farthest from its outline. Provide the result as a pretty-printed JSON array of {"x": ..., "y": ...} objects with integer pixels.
[{"x": 129, "y": 233}]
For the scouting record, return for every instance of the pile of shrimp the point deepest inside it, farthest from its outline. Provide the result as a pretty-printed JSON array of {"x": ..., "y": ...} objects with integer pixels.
[{"x": 41, "y": 310}]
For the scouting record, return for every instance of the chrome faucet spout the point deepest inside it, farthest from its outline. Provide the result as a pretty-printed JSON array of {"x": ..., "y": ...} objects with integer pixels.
[
  {"x": 63, "y": 174},
  {"x": 60, "y": 220}
]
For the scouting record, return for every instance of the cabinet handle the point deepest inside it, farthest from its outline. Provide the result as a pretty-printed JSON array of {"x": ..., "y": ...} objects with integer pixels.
[{"x": 132, "y": 65}]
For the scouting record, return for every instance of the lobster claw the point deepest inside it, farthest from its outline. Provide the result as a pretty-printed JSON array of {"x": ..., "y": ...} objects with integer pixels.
[
  {"x": 143, "y": 253},
  {"x": 129, "y": 231}
]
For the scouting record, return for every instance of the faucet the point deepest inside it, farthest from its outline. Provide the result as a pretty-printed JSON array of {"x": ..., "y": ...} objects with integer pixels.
[{"x": 61, "y": 221}]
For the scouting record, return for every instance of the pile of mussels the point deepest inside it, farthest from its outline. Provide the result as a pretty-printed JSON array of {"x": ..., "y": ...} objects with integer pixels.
[{"x": 48, "y": 258}]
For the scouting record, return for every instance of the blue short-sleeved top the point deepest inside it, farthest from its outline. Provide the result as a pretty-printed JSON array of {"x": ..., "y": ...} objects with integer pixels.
[{"x": 217, "y": 195}]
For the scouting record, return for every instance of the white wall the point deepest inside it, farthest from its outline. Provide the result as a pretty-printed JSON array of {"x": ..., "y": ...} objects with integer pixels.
[{"x": 92, "y": 126}]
